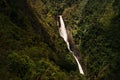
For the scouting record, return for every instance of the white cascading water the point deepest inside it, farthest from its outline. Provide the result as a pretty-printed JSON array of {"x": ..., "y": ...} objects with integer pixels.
[{"x": 64, "y": 35}]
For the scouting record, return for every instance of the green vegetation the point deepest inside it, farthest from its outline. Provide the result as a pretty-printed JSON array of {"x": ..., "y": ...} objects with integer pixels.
[{"x": 31, "y": 48}]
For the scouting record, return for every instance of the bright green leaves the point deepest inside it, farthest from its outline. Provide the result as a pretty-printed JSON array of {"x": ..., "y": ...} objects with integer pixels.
[
  {"x": 21, "y": 66},
  {"x": 47, "y": 70},
  {"x": 24, "y": 68}
]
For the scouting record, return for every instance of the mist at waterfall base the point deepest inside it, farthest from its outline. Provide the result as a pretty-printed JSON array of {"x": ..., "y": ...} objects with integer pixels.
[{"x": 67, "y": 38}]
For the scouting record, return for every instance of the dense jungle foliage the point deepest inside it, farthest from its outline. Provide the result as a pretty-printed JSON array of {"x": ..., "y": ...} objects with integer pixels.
[{"x": 31, "y": 48}]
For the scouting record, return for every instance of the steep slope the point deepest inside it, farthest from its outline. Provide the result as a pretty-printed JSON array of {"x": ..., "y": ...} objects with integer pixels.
[
  {"x": 96, "y": 30},
  {"x": 31, "y": 49}
]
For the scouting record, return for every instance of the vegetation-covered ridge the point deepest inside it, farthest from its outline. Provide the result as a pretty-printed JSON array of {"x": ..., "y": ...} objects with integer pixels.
[{"x": 31, "y": 48}]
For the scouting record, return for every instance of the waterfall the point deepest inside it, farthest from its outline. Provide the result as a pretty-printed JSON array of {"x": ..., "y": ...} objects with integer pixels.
[{"x": 64, "y": 35}]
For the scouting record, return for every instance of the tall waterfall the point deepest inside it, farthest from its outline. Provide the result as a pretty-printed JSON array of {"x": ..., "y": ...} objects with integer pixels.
[{"x": 64, "y": 35}]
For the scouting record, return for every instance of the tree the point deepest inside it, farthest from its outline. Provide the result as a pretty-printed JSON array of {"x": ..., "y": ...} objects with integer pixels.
[{"x": 21, "y": 66}]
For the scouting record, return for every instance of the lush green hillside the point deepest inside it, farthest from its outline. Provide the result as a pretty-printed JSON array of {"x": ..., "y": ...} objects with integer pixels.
[{"x": 31, "y": 48}]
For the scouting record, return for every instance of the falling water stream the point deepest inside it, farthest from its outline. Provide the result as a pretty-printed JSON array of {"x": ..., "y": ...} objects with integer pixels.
[{"x": 64, "y": 35}]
